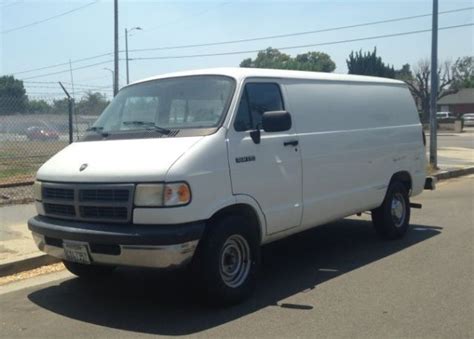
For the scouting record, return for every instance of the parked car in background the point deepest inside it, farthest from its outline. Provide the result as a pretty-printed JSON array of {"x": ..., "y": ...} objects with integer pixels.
[
  {"x": 468, "y": 119},
  {"x": 41, "y": 133},
  {"x": 444, "y": 115}
]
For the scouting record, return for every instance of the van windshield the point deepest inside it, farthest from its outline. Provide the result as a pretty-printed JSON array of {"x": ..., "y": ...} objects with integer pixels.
[{"x": 164, "y": 105}]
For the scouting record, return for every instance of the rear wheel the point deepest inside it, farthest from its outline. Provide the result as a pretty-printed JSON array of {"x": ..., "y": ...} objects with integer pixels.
[
  {"x": 88, "y": 271},
  {"x": 392, "y": 218},
  {"x": 227, "y": 260}
]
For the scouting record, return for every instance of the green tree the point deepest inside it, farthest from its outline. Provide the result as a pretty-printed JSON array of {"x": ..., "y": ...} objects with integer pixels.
[
  {"x": 274, "y": 59},
  {"x": 314, "y": 62},
  {"x": 464, "y": 72},
  {"x": 93, "y": 103},
  {"x": 38, "y": 106},
  {"x": 404, "y": 73},
  {"x": 13, "y": 97},
  {"x": 369, "y": 63},
  {"x": 269, "y": 58},
  {"x": 60, "y": 106}
]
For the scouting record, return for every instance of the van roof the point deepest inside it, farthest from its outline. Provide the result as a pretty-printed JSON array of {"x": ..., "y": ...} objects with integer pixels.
[{"x": 240, "y": 73}]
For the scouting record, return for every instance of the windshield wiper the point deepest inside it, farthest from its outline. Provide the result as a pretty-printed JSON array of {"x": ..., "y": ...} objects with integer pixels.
[
  {"x": 148, "y": 125},
  {"x": 95, "y": 129},
  {"x": 98, "y": 130}
]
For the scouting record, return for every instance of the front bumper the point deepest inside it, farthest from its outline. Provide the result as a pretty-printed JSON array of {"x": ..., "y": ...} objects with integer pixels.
[{"x": 157, "y": 246}]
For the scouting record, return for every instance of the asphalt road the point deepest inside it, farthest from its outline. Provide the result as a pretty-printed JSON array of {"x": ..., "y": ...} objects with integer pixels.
[
  {"x": 337, "y": 280},
  {"x": 448, "y": 139}
]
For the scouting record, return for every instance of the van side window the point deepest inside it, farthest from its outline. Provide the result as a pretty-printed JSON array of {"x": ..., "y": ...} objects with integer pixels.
[{"x": 257, "y": 99}]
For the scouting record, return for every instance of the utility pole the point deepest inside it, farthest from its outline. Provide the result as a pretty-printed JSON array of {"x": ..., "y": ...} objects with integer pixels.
[
  {"x": 113, "y": 75},
  {"x": 126, "y": 49},
  {"x": 434, "y": 87},
  {"x": 126, "y": 55},
  {"x": 70, "y": 107},
  {"x": 116, "y": 49},
  {"x": 73, "y": 101}
]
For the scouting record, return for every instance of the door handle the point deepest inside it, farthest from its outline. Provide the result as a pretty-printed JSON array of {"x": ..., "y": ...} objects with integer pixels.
[{"x": 290, "y": 143}]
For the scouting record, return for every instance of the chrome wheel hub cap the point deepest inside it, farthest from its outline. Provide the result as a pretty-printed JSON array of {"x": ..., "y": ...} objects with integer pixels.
[
  {"x": 398, "y": 210},
  {"x": 235, "y": 261}
]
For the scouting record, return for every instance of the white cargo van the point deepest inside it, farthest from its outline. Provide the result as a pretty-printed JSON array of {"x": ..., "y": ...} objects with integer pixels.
[{"x": 204, "y": 167}]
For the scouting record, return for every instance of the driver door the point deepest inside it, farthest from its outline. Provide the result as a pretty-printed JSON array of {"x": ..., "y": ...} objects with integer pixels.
[{"x": 269, "y": 171}]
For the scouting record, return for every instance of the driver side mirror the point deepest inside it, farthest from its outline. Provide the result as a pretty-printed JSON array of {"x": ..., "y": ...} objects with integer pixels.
[
  {"x": 272, "y": 121},
  {"x": 276, "y": 121}
]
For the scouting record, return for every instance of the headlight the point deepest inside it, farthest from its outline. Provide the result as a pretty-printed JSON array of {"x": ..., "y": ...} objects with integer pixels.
[
  {"x": 176, "y": 194},
  {"x": 149, "y": 195},
  {"x": 173, "y": 194},
  {"x": 37, "y": 190}
]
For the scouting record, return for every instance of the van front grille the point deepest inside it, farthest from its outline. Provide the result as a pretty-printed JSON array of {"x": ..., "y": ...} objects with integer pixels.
[
  {"x": 102, "y": 212},
  {"x": 104, "y": 195},
  {"x": 58, "y": 193},
  {"x": 58, "y": 209},
  {"x": 88, "y": 202}
]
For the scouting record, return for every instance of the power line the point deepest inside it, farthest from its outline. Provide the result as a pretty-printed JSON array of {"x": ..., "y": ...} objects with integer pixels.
[
  {"x": 300, "y": 46},
  {"x": 64, "y": 63},
  {"x": 67, "y": 70},
  {"x": 45, "y": 93},
  {"x": 64, "y": 82},
  {"x": 96, "y": 78},
  {"x": 75, "y": 86},
  {"x": 8, "y": 4},
  {"x": 298, "y": 33},
  {"x": 48, "y": 19},
  {"x": 245, "y": 40},
  {"x": 258, "y": 50},
  {"x": 184, "y": 18}
]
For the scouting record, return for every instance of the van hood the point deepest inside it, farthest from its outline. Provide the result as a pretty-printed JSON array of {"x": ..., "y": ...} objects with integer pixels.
[{"x": 137, "y": 160}]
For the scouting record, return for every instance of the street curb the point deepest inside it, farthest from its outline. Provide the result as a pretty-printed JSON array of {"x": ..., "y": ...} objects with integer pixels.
[
  {"x": 26, "y": 263},
  {"x": 453, "y": 173}
]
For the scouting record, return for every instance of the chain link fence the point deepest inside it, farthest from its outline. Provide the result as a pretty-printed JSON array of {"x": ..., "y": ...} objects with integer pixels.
[{"x": 31, "y": 133}]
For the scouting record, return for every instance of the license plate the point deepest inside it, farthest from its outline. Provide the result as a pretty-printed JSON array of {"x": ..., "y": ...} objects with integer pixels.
[{"x": 76, "y": 252}]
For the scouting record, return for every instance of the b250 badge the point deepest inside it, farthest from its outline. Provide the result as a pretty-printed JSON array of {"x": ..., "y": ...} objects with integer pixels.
[
  {"x": 83, "y": 167},
  {"x": 245, "y": 159}
]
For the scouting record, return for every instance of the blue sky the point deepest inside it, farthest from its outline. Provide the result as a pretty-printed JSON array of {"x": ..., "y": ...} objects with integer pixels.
[{"x": 89, "y": 31}]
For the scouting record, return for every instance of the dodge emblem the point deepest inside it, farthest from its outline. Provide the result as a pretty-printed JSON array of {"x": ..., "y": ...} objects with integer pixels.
[{"x": 83, "y": 167}]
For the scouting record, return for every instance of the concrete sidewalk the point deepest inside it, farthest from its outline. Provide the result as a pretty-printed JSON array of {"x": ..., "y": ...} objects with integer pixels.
[
  {"x": 18, "y": 251},
  {"x": 455, "y": 157},
  {"x": 15, "y": 238}
]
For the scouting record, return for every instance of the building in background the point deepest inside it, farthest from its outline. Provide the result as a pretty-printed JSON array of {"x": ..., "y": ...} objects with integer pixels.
[{"x": 458, "y": 103}]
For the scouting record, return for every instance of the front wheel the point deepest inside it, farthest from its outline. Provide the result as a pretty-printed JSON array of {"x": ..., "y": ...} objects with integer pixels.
[
  {"x": 227, "y": 260},
  {"x": 392, "y": 218},
  {"x": 88, "y": 271}
]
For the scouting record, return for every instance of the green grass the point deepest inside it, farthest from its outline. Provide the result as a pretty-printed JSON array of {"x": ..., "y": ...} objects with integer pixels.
[
  {"x": 19, "y": 160},
  {"x": 15, "y": 172}
]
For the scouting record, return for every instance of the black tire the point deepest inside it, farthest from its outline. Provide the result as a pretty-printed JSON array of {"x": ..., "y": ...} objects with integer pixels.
[
  {"x": 88, "y": 271},
  {"x": 386, "y": 218},
  {"x": 210, "y": 266}
]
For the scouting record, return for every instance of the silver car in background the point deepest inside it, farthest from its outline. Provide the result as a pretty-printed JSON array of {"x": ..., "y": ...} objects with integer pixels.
[{"x": 468, "y": 119}]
